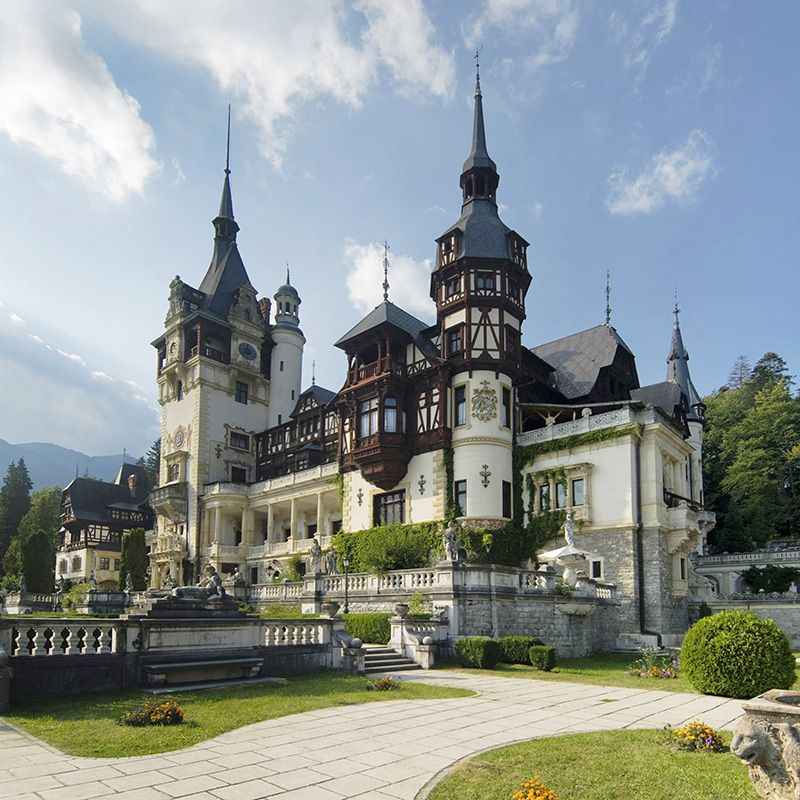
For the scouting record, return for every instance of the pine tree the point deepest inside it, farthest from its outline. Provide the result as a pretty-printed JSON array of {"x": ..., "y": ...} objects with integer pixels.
[
  {"x": 15, "y": 501},
  {"x": 740, "y": 373},
  {"x": 768, "y": 369},
  {"x": 39, "y": 562},
  {"x": 152, "y": 462},
  {"x": 133, "y": 560}
]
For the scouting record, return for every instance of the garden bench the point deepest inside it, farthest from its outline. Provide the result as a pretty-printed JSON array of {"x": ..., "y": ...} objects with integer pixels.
[{"x": 212, "y": 669}]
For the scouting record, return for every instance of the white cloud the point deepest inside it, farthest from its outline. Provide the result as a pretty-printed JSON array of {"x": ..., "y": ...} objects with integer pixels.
[
  {"x": 640, "y": 39},
  {"x": 99, "y": 375},
  {"x": 274, "y": 58},
  {"x": 16, "y": 319},
  {"x": 60, "y": 99},
  {"x": 553, "y": 25},
  {"x": 72, "y": 357},
  {"x": 674, "y": 175},
  {"x": 538, "y": 210},
  {"x": 409, "y": 279}
]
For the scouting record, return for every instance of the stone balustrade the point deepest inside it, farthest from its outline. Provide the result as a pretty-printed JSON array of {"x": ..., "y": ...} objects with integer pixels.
[
  {"x": 275, "y": 592},
  {"x": 63, "y": 637},
  {"x": 592, "y": 422},
  {"x": 755, "y": 557},
  {"x": 287, "y": 634}
]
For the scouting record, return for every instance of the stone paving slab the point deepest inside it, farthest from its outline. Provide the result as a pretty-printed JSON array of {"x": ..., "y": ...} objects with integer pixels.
[{"x": 386, "y": 751}]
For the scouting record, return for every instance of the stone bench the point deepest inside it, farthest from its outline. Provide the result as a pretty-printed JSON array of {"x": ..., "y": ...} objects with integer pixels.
[{"x": 219, "y": 669}]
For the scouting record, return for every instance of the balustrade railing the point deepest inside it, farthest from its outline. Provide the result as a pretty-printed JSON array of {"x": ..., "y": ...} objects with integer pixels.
[
  {"x": 55, "y": 637},
  {"x": 289, "y": 634},
  {"x": 592, "y": 422}
]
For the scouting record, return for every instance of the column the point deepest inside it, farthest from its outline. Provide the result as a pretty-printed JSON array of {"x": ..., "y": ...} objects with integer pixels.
[
  {"x": 217, "y": 526},
  {"x": 320, "y": 516},
  {"x": 270, "y": 524},
  {"x": 292, "y": 524}
]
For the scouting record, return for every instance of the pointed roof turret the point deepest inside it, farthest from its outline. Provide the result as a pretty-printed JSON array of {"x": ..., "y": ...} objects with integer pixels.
[
  {"x": 226, "y": 273},
  {"x": 478, "y": 154},
  {"x": 678, "y": 370}
]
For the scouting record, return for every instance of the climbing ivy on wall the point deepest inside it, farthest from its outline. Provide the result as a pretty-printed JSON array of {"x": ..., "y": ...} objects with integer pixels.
[
  {"x": 450, "y": 510},
  {"x": 388, "y": 547}
]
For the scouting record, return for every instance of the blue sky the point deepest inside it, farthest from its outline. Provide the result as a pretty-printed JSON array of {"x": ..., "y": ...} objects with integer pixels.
[{"x": 657, "y": 139}]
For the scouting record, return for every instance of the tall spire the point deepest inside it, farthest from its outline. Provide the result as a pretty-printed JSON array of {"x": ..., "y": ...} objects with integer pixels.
[
  {"x": 385, "y": 271},
  {"x": 479, "y": 176},
  {"x": 226, "y": 202},
  {"x": 678, "y": 367}
]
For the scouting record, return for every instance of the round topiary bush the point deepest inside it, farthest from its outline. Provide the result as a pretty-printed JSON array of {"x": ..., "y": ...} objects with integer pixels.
[{"x": 737, "y": 654}]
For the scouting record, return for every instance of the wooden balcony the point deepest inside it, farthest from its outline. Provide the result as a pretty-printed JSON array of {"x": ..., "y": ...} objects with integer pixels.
[
  {"x": 385, "y": 365},
  {"x": 382, "y": 458},
  {"x": 212, "y": 353}
]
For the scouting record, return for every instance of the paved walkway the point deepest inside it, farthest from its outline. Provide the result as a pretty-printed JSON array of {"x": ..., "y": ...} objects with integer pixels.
[{"x": 375, "y": 751}]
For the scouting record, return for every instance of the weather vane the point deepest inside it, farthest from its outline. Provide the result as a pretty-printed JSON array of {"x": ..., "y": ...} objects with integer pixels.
[
  {"x": 385, "y": 271},
  {"x": 477, "y": 58},
  {"x": 608, "y": 297}
]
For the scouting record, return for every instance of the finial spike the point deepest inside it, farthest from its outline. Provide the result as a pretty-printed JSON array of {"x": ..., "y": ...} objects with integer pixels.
[
  {"x": 288, "y": 282},
  {"x": 228, "y": 145},
  {"x": 608, "y": 297},
  {"x": 386, "y": 272},
  {"x": 477, "y": 58},
  {"x": 676, "y": 308},
  {"x": 313, "y": 373}
]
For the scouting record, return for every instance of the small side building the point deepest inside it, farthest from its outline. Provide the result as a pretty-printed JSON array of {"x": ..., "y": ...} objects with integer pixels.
[{"x": 94, "y": 516}]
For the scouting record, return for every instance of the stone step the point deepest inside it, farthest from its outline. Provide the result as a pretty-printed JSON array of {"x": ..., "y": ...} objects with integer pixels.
[
  {"x": 399, "y": 666},
  {"x": 376, "y": 659}
]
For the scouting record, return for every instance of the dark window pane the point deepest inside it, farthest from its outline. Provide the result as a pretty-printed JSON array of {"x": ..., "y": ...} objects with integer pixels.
[
  {"x": 561, "y": 495},
  {"x": 389, "y": 508},
  {"x": 461, "y": 405},
  {"x": 460, "y": 496},
  {"x": 507, "y": 499},
  {"x": 507, "y": 407},
  {"x": 241, "y": 392},
  {"x": 577, "y": 492},
  {"x": 544, "y": 497}
]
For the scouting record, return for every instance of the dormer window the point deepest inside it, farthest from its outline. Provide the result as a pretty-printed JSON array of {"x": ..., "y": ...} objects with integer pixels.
[{"x": 452, "y": 287}]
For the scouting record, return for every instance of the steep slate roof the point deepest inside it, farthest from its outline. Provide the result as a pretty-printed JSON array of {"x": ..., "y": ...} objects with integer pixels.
[
  {"x": 579, "y": 357},
  {"x": 225, "y": 275},
  {"x": 138, "y": 470},
  {"x": 666, "y": 396},
  {"x": 322, "y": 396},
  {"x": 484, "y": 234},
  {"x": 385, "y": 313},
  {"x": 91, "y": 499}
]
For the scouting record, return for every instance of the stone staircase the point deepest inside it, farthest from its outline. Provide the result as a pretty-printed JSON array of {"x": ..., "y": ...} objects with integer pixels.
[{"x": 378, "y": 658}]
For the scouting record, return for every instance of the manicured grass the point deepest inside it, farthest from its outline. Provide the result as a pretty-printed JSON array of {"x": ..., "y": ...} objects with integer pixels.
[
  {"x": 617, "y": 765},
  {"x": 87, "y": 725},
  {"x": 603, "y": 669}
]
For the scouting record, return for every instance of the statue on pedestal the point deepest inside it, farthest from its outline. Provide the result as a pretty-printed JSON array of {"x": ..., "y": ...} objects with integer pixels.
[
  {"x": 315, "y": 558},
  {"x": 213, "y": 582},
  {"x": 569, "y": 529},
  {"x": 330, "y": 562},
  {"x": 450, "y": 543}
]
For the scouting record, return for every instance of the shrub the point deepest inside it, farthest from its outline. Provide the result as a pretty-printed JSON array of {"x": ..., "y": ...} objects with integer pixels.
[
  {"x": 386, "y": 684},
  {"x": 418, "y": 606},
  {"x": 389, "y": 547},
  {"x": 75, "y": 596},
  {"x": 737, "y": 654},
  {"x": 369, "y": 627},
  {"x": 534, "y": 789},
  {"x": 294, "y": 568},
  {"x": 697, "y": 736},
  {"x": 282, "y": 611},
  {"x": 161, "y": 712},
  {"x": 516, "y": 649},
  {"x": 478, "y": 651},
  {"x": 134, "y": 560},
  {"x": 543, "y": 657}
]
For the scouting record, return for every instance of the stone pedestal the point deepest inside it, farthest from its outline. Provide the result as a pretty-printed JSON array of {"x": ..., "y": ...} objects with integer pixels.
[{"x": 767, "y": 739}]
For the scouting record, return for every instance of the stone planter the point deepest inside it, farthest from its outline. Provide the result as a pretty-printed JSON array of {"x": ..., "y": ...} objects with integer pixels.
[
  {"x": 767, "y": 739},
  {"x": 401, "y": 610}
]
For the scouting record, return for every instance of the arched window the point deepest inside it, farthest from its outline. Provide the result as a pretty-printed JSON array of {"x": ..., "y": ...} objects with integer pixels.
[
  {"x": 179, "y": 391},
  {"x": 390, "y": 415}
]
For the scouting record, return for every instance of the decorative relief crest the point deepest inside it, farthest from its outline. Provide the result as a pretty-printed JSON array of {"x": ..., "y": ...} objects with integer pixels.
[
  {"x": 485, "y": 474},
  {"x": 484, "y": 402},
  {"x": 421, "y": 484}
]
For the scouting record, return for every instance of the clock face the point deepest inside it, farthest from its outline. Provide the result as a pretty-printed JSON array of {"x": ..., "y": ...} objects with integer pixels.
[{"x": 247, "y": 351}]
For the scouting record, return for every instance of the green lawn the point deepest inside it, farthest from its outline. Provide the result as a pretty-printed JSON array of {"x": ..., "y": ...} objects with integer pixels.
[
  {"x": 87, "y": 725},
  {"x": 604, "y": 669},
  {"x": 617, "y": 765}
]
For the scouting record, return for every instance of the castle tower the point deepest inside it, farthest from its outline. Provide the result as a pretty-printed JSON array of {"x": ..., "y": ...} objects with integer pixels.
[
  {"x": 479, "y": 287},
  {"x": 286, "y": 363},
  {"x": 213, "y": 392},
  {"x": 678, "y": 373}
]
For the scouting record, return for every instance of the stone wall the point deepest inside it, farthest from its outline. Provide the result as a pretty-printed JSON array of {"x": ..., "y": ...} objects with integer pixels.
[{"x": 785, "y": 612}]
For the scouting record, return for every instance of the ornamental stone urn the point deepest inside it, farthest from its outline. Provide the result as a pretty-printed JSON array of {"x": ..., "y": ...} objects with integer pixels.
[
  {"x": 401, "y": 609},
  {"x": 767, "y": 739},
  {"x": 330, "y": 608}
]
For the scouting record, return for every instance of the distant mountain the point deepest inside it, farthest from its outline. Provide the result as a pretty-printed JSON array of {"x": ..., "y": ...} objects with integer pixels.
[{"x": 51, "y": 465}]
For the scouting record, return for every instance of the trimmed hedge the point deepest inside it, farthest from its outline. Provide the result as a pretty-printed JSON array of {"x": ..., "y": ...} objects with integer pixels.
[
  {"x": 542, "y": 656},
  {"x": 516, "y": 649},
  {"x": 389, "y": 547},
  {"x": 737, "y": 654},
  {"x": 372, "y": 628},
  {"x": 478, "y": 651}
]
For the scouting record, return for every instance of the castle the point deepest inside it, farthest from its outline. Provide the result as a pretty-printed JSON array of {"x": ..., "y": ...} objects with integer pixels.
[{"x": 455, "y": 418}]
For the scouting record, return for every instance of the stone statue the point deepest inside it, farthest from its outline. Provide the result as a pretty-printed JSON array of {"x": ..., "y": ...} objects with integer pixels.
[
  {"x": 213, "y": 582},
  {"x": 237, "y": 578},
  {"x": 23, "y": 587},
  {"x": 330, "y": 562},
  {"x": 450, "y": 542},
  {"x": 128, "y": 583},
  {"x": 168, "y": 581},
  {"x": 93, "y": 581},
  {"x": 315, "y": 558},
  {"x": 772, "y": 753},
  {"x": 569, "y": 529}
]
